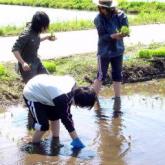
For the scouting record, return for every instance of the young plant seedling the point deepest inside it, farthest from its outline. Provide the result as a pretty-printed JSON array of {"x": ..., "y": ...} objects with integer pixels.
[
  {"x": 125, "y": 31},
  {"x": 52, "y": 36}
]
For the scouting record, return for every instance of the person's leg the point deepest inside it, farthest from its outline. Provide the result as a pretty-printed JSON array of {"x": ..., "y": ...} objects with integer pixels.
[
  {"x": 55, "y": 128},
  {"x": 54, "y": 116},
  {"x": 39, "y": 114},
  {"x": 117, "y": 88},
  {"x": 37, "y": 136},
  {"x": 116, "y": 64},
  {"x": 102, "y": 67},
  {"x": 97, "y": 85}
]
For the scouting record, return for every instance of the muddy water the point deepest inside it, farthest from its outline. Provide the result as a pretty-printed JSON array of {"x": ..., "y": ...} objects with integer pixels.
[{"x": 134, "y": 137}]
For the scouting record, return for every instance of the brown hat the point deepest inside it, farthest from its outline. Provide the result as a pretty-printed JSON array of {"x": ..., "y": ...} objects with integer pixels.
[{"x": 105, "y": 3}]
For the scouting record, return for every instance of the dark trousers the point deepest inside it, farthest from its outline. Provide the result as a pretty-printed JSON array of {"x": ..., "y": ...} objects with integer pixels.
[{"x": 116, "y": 68}]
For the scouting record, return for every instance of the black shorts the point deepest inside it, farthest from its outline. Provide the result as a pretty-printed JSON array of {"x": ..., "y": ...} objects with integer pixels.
[
  {"x": 116, "y": 68},
  {"x": 42, "y": 114}
]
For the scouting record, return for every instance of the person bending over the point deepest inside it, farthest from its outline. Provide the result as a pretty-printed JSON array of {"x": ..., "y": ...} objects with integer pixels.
[{"x": 49, "y": 98}]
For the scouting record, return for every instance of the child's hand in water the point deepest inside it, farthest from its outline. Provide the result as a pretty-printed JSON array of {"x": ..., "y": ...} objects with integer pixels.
[{"x": 76, "y": 143}]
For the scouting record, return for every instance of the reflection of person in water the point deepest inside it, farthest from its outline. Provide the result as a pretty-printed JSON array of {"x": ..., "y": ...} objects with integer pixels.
[
  {"x": 110, "y": 134},
  {"x": 117, "y": 107}
]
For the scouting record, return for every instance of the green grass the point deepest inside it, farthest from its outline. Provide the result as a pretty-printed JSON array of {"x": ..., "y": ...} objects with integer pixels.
[
  {"x": 129, "y": 7},
  {"x": 6, "y": 72},
  {"x": 144, "y": 14},
  {"x": 146, "y": 18},
  {"x": 68, "y": 4},
  {"x": 2, "y": 70},
  {"x": 85, "y": 24},
  {"x": 71, "y": 25},
  {"x": 10, "y": 30},
  {"x": 50, "y": 66},
  {"x": 150, "y": 53},
  {"x": 138, "y": 7},
  {"x": 78, "y": 66},
  {"x": 55, "y": 27}
]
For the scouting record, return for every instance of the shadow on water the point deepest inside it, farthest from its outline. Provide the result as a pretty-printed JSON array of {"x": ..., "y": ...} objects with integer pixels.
[{"x": 126, "y": 131}]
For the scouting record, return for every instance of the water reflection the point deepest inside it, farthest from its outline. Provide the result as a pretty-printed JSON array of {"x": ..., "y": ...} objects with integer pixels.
[
  {"x": 117, "y": 107},
  {"x": 110, "y": 134}
]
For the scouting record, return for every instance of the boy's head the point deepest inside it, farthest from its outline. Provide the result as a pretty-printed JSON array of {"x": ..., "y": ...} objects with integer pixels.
[
  {"x": 84, "y": 97},
  {"x": 40, "y": 22}
]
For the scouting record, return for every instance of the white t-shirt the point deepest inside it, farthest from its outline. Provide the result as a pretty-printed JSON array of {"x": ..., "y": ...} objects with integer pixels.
[{"x": 44, "y": 88}]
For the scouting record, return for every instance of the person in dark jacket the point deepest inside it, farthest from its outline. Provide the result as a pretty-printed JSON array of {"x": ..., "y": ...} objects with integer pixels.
[
  {"x": 108, "y": 23},
  {"x": 26, "y": 46},
  {"x": 49, "y": 98}
]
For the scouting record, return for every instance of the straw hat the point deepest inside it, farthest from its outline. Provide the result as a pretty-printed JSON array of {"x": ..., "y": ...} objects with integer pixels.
[{"x": 105, "y": 3}]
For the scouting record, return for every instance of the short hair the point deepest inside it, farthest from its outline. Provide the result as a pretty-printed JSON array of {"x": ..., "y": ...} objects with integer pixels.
[
  {"x": 39, "y": 21},
  {"x": 112, "y": 10},
  {"x": 84, "y": 97}
]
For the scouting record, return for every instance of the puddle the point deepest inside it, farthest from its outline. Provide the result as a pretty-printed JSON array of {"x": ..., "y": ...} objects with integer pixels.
[{"x": 133, "y": 137}]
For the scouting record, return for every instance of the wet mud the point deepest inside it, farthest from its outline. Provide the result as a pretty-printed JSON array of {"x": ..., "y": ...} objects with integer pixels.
[
  {"x": 156, "y": 70},
  {"x": 11, "y": 92},
  {"x": 138, "y": 73}
]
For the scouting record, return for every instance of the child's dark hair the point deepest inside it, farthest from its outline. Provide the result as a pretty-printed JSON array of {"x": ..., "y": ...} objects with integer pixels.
[
  {"x": 40, "y": 21},
  {"x": 111, "y": 11},
  {"x": 84, "y": 97}
]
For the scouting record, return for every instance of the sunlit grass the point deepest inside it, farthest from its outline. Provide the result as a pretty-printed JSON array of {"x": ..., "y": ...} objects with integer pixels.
[
  {"x": 56, "y": 27},
  {"x": 50, "y": 66},
  {"x": 144, "y": 13},
  {"x": 78, "y": 66},
  {"x": 2, "y": 70},
  {"x": 72, "y": 25},
  {"x": 149, "y": 53}
]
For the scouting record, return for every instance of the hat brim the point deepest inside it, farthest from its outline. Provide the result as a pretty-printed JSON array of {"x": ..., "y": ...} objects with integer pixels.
[{"x": 114, "y": 4}]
